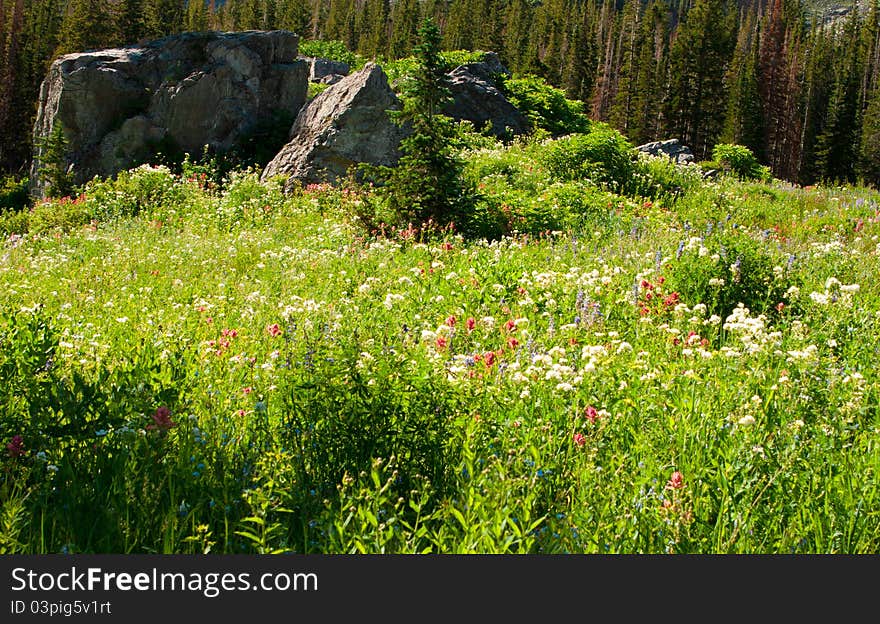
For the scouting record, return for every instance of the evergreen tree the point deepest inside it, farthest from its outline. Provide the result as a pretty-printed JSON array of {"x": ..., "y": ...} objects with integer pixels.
[
  {"x": 606, "y": 77},
  {"x": 579, "y": 72},
  {"x": 340, "y": 24},
  {"x": 699, "y": 58},
  {"x": 164, "y": 17},
  {"x": 427, "y": 184},
  {"x": 130, "y": 22},
  {"x": 294, "y": 15},
  {"x": 628, "y": 44},
  {"x": 869, "y": 142},
  {"x": 54, "y": 169},
  {"x": 836, "y": 144},
  {"x": 744, "y": 123},
  {"x": 87, "y": 25},
  {"x": 517, "y": 18},
  {"x": 651, "y": 85},
  {"x": 196, "y": 16},
  {"x": 405, "y": 28}
]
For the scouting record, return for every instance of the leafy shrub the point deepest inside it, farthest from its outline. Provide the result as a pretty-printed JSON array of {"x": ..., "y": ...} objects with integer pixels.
[
  {"x": 13, "y": 193},
  {"x": 333, "y": 50},
  {"x": 14, "y": 222},
  {"x": 726, "y": 270},
  {"x": 545, "y": 106},
  {"x": 739, "y": 161},
  {"x": 132, "y": 191},
  {"x": 661, "y": 178},
  {"x": 603, "y": 156},
  {"x": 59, "y": 214},
  {"x": 247, "y": 199}
]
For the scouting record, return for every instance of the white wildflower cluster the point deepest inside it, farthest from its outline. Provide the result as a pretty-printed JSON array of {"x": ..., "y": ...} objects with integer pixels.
[
  {"x": 750, "y": 330},
  {"x": 299, "y": 306},
  {"x": 824, "y": 249},
  {"x": 835, "y": 292},
  {"x": 391, "y": 299},
  {"x": 747, "y": 413}
]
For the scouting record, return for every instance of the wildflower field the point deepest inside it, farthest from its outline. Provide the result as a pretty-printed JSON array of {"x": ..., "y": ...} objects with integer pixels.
[{"x": 689, "y": 368}]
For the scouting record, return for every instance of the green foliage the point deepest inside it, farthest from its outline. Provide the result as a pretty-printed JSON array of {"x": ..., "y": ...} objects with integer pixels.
[
  {"x": 426, "y": 186},
  {"x": 62, "y": 214},
  {"x": 602, "y": 156},
  {"x": 661, "y": 178},
  {"x": 545, "y": 106},
  {"x": 14, "y": 193},
  {"x": 55, "y": 170},
  {"x": 132, "y": 192},
  {"x": 729, "y": 269},
  {"x": 739, "y": 161},
  {"x": 245, "y": 200},
  {"x": 316, "y": 88},
  {"x": 333, "y": 50}
]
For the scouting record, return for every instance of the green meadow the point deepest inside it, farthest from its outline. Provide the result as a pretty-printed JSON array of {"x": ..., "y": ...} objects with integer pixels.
[{"x": 619, "y": 358}]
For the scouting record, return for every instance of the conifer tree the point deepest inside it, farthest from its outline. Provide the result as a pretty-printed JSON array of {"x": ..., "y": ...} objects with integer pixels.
[
  {"x": 405, "y": 28},
  {"x": 628, "y": 70},
  {"x": 651, "y": 85},
  {"x": 130, "y": 22},
  {"x": 517, "y": 19},
  {"x": 699, "y": 58},
  {"x": 869, "y": 142},
  {"x": 294, "y": 15},
  {"x": 744, "y": 122},
  {"x": 87, "y": 25},
  {"x": 340, "y": 24},
  {"x": 427, "y": 185},
  {"x": 836, "y": 144}
]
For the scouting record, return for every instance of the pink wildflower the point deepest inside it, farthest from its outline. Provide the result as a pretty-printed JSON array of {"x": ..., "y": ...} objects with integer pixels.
[
  {"x": 676, "y": 481},
  {"x": 16, "y": 446},
  {"x": 162, "y": 420}
]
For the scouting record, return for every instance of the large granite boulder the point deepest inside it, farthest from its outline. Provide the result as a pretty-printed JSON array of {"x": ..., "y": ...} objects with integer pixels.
[
  {"x": 344, "y": 125},
  {"x": 183, "y": 92},
  {"x": 671, "y": 148},
  {"x": 477, "y": 99}
]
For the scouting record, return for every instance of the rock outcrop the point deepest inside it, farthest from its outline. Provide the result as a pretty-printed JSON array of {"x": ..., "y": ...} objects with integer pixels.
[
  {"x": 183, "y": 92},
  {"x": 476, "y": 98},
  {"x": 671, "y": 148},
  {"x": 344, "y": 125}
]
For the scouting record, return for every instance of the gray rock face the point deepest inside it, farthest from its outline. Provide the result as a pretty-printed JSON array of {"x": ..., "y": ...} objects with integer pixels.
[
  {"x": 186, "y": 91},
  {"x": 344, "y": 125},
  {"x": 321, "y": 67},
  {"x": 475, "y": 98},
  {"x": 671, "y": 148}
]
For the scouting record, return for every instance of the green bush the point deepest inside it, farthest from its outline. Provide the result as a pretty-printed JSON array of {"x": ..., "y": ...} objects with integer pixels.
[
  {"x": 63, "y": 214},
  {"x": 333, "y": 50},
  {"x": 13, "y": 193},
  {"x": 661, "y": 178},
  {"x": 739, "y": 161},
  {"x": 545, "y": 106},
  {"x": 602, "y": 156},
  {"x": 131, "y": 192},
  {"x": 726, "y": 270},
  {"x": 14, "y": 222}
]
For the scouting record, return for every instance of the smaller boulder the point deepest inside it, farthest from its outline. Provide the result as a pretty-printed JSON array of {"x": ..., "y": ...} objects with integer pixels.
[
  {"x": 321, "y": 67},
  {"x": 476, "y": 98},
  {"x": 344, "y": 125},
  {"x": 671, "y": 148}
]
